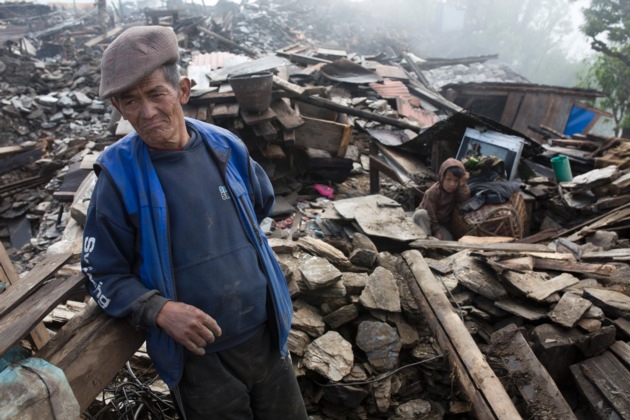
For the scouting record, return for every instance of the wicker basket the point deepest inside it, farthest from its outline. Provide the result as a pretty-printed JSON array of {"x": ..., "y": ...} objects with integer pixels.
[{"x": 506, "y": 219}]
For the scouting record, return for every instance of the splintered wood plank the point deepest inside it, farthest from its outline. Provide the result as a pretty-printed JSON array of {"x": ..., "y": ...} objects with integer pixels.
[
  {"x": 17, "y": 324},
  {"x": 534, "y": 286},
  {"x": 485, "y": 239},
  {"x": 20, "y": 290},
  {"x": 288, "y": 117},
  {"x": 479, "y": 382},
  {"x": 518, "y": 264},
  {"x": 574, "y": 267},
  {"x": 39, "y": 334},
  {"x": 611, "y": 302},
  {"x": 202, "y": 113},
  {"x": 527, "y": 312},
  {"x": 612, "y": 379},
  {"x": 601, "y": 222},
  {"x": 538, "y": 389},
  {"x": 225, "y": 111},
  {"x": 78, "y": 349},
  {"x": 622, "y": 351},
  {"x": 569, "y": 310},
  {"x": 552, "y": 286},
  {"x": 599, "y": 406},
  {"x": 273, "y": 151},
  {"x": 623, "y": 325},
  {"x": 288, "y": 86},
  {"x": 454, "y": 245},
  {"x": 7, "y": 266},
  {"x": 266, "y": 130},
  {"x": 253, "y": 119},
  {"x": 214, "y": 98}
]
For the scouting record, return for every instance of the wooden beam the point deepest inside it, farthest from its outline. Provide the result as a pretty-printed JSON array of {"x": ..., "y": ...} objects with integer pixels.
[
  {"x": 458, "y": 246},
  {"x": 597, "y": 222},
  {"x": 371, "y": 116},
  {"x": 540, "y": 392},
  {"x": 79, "y": 350},
  {"x": 605, "y": 270},
  {"x": 16, "y": 325},
  {"x": 288, "y": 86},
  {"x": 20, "y": 290},
  {"x": 39, "y": 334},
  {"x": 479, "y": 382},
  {"x": 610, "y": 377}
]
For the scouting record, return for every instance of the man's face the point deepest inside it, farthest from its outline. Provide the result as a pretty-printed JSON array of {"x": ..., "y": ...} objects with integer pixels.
[
  {"x": 154, "y": 109},
  {"x": 450, "y": 182}
]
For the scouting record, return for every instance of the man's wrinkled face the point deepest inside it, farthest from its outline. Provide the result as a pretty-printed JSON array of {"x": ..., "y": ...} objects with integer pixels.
[{"x": 154, "y": 109}]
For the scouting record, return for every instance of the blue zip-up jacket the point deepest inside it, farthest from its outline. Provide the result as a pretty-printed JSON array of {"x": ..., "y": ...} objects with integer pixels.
[{"x": 128, "y": 165}]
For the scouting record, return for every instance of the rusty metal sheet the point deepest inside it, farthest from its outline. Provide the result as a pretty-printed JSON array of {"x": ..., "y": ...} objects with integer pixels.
[
  {"x": 392, "y": 89},
  {"x": 424, "y": 117}
]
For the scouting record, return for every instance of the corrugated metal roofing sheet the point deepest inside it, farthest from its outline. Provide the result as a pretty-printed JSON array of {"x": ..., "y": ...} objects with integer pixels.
[{"x": 392, "y": 89}]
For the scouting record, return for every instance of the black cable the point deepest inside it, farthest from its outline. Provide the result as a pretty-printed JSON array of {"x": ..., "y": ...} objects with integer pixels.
[{"x": 383, "y": 376}]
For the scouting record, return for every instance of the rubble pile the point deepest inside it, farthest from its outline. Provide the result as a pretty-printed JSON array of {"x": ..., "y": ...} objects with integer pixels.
[
  {"x": 51, "y": 118},
  {"x": 269, "y": 26},
  {"x": 358, "y": 340}
]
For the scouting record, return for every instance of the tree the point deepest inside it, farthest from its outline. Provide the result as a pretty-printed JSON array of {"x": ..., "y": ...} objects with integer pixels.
[
  {"x": 612, "y": 77},
  {"x": 607, "y": 24}
]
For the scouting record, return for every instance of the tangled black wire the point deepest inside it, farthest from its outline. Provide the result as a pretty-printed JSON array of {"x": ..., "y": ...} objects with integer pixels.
[{"x": 131, "y": 398}]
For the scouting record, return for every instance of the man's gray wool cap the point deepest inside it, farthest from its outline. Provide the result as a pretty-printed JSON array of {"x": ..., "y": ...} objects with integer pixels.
[{"x": 134, "y": 55}]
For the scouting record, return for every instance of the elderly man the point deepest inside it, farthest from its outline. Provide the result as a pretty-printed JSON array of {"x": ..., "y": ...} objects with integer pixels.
[{"x": 172, "y": 242}]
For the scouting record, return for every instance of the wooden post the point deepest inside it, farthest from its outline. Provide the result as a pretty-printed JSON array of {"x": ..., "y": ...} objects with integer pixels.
[{"x": 478, "y": 381}]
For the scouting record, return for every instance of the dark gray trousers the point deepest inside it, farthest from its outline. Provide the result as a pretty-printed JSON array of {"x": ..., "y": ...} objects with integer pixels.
[{"x": 250, "y": 381}]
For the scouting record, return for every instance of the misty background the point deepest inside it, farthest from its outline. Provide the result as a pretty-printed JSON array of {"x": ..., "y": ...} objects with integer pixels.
[{"x": 539, "y": 39}]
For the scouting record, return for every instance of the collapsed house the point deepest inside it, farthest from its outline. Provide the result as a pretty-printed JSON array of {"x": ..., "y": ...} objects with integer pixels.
[{"x": 528, "y": 312}]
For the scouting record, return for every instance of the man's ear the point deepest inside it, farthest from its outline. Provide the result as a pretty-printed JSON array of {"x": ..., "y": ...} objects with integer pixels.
[
  {"x": 115, "y": 105},
  {"x": 184, "y": 90}
]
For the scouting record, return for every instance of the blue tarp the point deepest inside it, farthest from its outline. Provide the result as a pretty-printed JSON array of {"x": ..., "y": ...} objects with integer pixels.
[{"x": 579, "y": 119}]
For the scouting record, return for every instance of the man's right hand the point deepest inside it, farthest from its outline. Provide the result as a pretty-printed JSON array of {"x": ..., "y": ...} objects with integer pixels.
[{"x": 189, "y": 326}]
